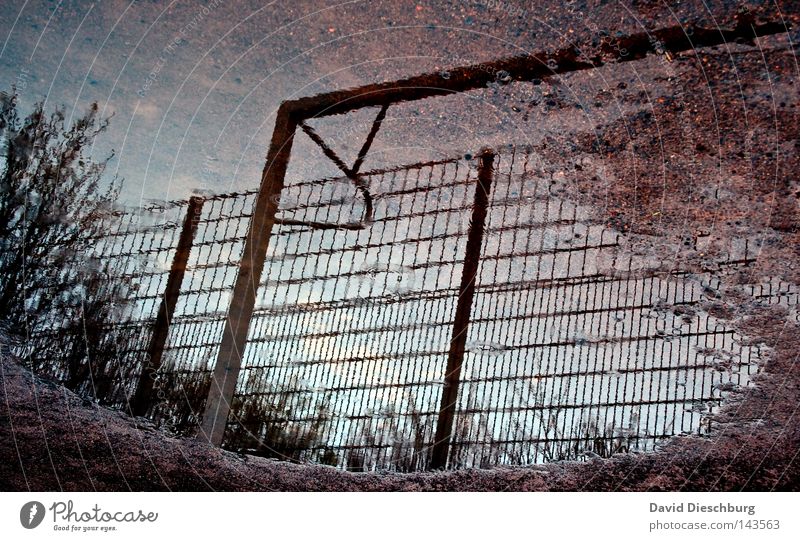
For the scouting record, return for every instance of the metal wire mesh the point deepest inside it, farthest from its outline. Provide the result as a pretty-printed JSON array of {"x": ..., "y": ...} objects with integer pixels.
[
  {"x": 138, "y": 252},
  {"x": 196, "y": 328},
  {"x": 574, "y": 348},
  {"x": 570, "y": 358},
  {"x": 348, "y": 346},
  {"x": 349, "y": 342}
]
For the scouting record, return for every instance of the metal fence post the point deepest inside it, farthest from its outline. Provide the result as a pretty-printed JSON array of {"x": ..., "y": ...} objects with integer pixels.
[
  {"x": 466, "y": 292},
  {"x": 142, "y": 397},
  {"x": 254, "y": 253}
]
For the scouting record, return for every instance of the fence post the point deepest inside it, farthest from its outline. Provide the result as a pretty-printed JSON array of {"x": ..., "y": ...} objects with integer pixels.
[
  {"x": 466, "y": 292},
  {"x": 254, "y": 253},
  {"x": 142, "y": 397}
]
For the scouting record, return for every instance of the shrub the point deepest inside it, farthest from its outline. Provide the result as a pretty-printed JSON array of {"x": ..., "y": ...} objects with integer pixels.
[{"x": 58, "y": 298}]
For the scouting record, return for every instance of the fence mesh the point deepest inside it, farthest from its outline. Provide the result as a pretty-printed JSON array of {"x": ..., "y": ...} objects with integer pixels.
[
  {"x": 135, "y": 251},
  {"x": 570, "y": 352},
  {"x": 138, "y": 254},
  {"x": 574, "y": 348},
  {"x": 349, "y": 342}
]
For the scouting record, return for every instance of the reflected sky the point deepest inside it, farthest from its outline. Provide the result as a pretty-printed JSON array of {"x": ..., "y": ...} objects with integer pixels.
[{"x": 193, "y": 86}]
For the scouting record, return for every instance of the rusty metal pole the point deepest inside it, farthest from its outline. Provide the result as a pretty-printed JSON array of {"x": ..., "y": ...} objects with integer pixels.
[
  {"x": 237, "y": 324},
  {"x": 142, "y": 398},
  {"x": 466, "y": 292}
]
